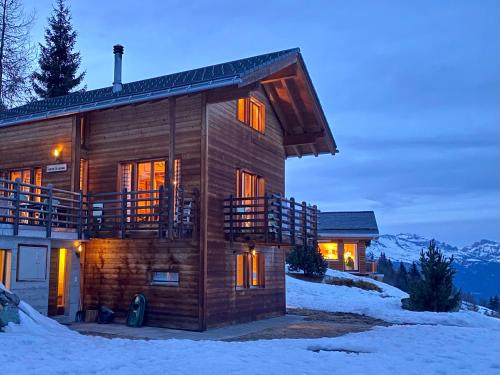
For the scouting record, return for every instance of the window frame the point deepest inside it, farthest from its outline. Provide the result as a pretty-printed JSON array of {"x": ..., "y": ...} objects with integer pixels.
[
  {"x": 248, "y": 258},
  {"x": 167, "y": 283},
  {"x": 248, "y": 114}
]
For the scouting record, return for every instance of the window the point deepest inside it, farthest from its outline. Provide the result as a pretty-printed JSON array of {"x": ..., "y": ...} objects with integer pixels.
[
  {"x": 5, "y": 267},
  {"x": 32, "y": 263},
  {"x": 350, "y": 257},
  {"x": 168, "y": 278},
  {"x": 250, "y": 270},
  {"x": 329, "y": 250},
  {"x": 251, "y": 112},
  {"x": 249, "y": 184}
]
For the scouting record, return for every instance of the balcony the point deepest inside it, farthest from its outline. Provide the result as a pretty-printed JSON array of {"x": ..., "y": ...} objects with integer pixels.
[
  {"x": 45, "y": 211},
  {"x": 270, "y": 219}
]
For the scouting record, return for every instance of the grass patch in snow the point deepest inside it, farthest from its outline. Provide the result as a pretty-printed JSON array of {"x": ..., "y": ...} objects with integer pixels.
[{"x": 339, "y": 281}]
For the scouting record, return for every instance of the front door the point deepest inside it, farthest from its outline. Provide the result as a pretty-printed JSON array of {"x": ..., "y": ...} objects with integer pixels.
[{"x": 57, "y": 281}]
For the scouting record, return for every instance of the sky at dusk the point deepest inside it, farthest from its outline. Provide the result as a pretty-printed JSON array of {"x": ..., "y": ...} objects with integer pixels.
[{"x": 411, "y": 90}]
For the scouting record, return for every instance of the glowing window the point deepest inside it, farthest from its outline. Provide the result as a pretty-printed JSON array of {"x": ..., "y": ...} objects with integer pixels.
[
  {"x": 250, "y": 270},
  {"x": 329, "y": 250},
  {"x": 251, "y": 112},
  {"x": 5, "y": 267},
  {"x": 350, "y": 257}
]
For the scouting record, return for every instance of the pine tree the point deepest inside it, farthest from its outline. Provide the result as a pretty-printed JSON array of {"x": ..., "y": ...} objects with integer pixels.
[
  {"x": 494, "y": 303},
  {"x": 382, "y": 263},
  {"x": 435, "y": 292},
  {"x": 402, "y": 281},
  {"x": 389, "y": 274},
  {"x": 307, "y": 259},
  {"x": 58, "y": 63},
  {"x": 413, "y": 275}
]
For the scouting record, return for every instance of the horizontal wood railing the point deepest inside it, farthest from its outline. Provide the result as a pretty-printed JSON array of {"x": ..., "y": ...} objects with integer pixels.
[
  {"x": 270, "y": 219},
  {"x": 103, "y": 215}
]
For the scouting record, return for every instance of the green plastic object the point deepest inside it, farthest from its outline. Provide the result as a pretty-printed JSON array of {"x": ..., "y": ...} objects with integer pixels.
[{"x": 136, "y": 310}]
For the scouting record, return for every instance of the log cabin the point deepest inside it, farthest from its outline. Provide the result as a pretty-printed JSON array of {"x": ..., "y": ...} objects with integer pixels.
[
  {"x": 171, "y": 186},
  {"x": 343, "y": 238}
]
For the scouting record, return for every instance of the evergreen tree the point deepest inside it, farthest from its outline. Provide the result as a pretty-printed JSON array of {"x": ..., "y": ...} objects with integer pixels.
[
  {"x": 494, "y": 303},
  {"x": 307, "y": 259},
  {"x": 58, "y": 63},
  {"x": 413, "y": 274},
  {"x": 402, "y": 281},
  {"x": 389, "y": 274},
  {"x": 435, "y": 291},
  {"x": 382, "y": 263}
]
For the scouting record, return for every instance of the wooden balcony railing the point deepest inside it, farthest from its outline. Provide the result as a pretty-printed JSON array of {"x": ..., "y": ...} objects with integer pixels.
[
  {"x": 270, "y": 219},
  {"x": 100, "y": 215}
]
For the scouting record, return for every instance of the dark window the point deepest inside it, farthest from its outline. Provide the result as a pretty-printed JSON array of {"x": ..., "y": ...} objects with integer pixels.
[{"x": 168, "y": 278}]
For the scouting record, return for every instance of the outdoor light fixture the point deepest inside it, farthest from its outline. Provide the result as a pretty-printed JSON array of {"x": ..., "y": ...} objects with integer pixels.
[{"x": 57, "y": 153}]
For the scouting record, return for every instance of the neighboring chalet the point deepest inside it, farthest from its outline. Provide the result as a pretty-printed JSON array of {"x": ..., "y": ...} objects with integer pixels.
[
  {"x": 171, "y": 186},
  {"x": 343, "y": 238}
]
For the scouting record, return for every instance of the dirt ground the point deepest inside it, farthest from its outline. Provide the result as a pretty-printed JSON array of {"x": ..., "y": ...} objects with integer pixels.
[{"x": 316, "y": 324}]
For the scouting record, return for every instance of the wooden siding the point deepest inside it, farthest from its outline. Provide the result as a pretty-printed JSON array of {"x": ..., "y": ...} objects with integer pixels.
[
  {"x": 141, "y": 132},
  {"x": 115, "y": 270},
  {"x": 31, "y": 145},
  {"x": 232, "y": 145}
]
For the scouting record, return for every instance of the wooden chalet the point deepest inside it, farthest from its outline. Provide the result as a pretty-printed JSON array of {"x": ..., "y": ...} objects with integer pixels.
[
  {"x": 343, "y": 238},
  {"x": 171, "y": 186}
]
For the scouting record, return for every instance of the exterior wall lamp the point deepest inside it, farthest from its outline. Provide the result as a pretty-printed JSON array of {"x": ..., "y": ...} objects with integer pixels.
[{"x": 57, "y": 154}]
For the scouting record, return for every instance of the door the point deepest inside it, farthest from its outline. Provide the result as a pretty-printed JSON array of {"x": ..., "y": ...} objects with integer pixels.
[
  {"x": 5, "y": 267},
  {"x": 58, "y": 281}
]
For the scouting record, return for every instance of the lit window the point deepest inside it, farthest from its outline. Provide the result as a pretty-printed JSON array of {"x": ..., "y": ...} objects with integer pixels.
[
  {"x": 251, "y": 112},
  {"x": 250, "y": 270},
  {"x": 350, "y": 257},
  {"x": 329, "y": 250},
  {"x": 165, "y": 278},
  {"x": 84, "y": 169}
]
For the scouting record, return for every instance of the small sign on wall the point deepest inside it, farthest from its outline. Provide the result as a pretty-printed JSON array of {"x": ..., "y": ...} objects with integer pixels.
[{"x": 57, "y": 168}]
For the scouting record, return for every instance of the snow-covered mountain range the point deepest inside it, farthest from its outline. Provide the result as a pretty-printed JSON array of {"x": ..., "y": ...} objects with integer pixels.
[
  {"x": 477, "y": 265},
  {"x": 406, "y": 248}
]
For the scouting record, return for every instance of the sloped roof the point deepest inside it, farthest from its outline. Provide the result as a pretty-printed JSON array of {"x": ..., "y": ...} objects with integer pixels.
[
  {"x": 348, "y": 224},
  {"x": 219, "y": 75}
]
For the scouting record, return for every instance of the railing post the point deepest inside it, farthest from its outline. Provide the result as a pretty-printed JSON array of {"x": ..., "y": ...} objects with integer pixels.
[
  {"x": 48, "y": 228},
  {"x": 80, "y": 216},
  {"x": 266, "y": 218},
  {"x": 315, "y": 223},
  {"x": 161, "y": 202},
  {"x": 123, "y": 216},
  {"x": 17, "y": 206},
  {"x": 292, "y": 221},
  {"x": 170, "y": 210},
  {"x": 231, "y": 234},
  {"x": 179, "y": 207},
  {"x": 304, "y": 223},
  {"x": 90, "y": 215}
]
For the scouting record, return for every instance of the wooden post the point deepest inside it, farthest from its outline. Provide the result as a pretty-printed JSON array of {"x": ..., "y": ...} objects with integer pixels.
[
  {"x": 231, "y": 219},
  {"x": 80, "y": 216},
  {"x": 280, "y": 218},
  {"x": 266, "y": 218},
  {"x": 292, "y": 221},
  {"x": 179, "y": 205},
  {"x": 304, "y": 223},
  {"x": 90, "y": 215},
  {"x": 48, "y": 229},
  {"x": 123, "y": 216},
  {"x": 315, "y": 223},
  {"x": 161, "y": 200},
  {"x": 17, "y": 206},
  {"x": 171, "y": 164}
]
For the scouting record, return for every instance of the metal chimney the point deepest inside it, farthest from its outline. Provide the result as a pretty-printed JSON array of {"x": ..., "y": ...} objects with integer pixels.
[{"x": 117, "y": 82}]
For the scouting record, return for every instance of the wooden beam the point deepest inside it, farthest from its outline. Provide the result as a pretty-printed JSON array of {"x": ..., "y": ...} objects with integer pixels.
[
  {"x": 277, "y": 79},
  {"x": 302, "y": 139},
  {"x": 293, "y": 103},
  {"x": 203, "y": 220},
  {"x": 268, "y": 70},
  {"x": 274, "y": 99},
  {"x": 171, "y": 164}
]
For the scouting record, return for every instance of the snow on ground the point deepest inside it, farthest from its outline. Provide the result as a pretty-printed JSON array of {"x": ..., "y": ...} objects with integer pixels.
[
  {"x": 385, "y": 305},
  {"x": 41, "y": 346}
]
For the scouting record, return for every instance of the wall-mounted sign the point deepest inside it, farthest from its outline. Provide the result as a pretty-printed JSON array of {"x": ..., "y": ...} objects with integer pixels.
[{"x": 57, "y": 168}]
